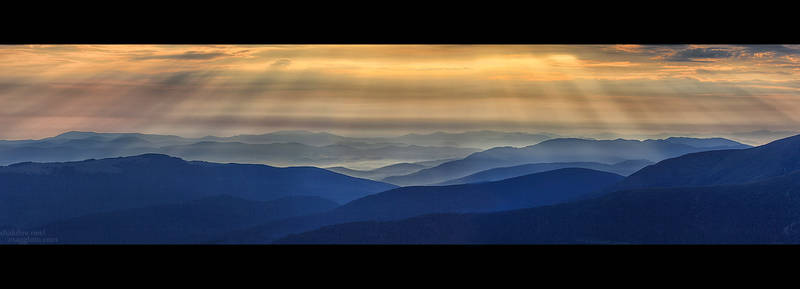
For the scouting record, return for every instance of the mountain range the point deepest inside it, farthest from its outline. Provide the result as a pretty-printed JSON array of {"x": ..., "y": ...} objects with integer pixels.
[
  {"x": 294, "y": 154},
  {"x": 484, "y": 139},
  {"x": 532, "y": 190},
  {"x": 766, "y": 212},
  {"x": 471, "y": 139},
  {"x": 560, "y": 190},
  {"x": 720, "y": 167},
  {"x": 562, "y": 150},
  {"x": 37, "y": 193},
  {"x": 744, "y": 196},
  {"x": 278, "y": 149},
  {"x": 185, "y": 222},
  {"x": 382, "y": 172},
  {"x": 622, "y": 168}
]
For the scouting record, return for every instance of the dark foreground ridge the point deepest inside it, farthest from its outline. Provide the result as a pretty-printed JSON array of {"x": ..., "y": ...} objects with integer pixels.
[
  {"x": 749, "y": 196},
  {"x": 39, "y": 193},
  {"x": 521, "y": 192}
]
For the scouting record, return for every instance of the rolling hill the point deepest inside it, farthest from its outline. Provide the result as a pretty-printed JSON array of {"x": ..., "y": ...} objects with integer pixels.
[
  {"x": 720, "y": 167},
  {"x": 766, "y": 212},
  {"x": 622, "y": 168},
  {"x": 75, "y": 146},
  {"x": 289, "y": 148},
  {"x": 294, "y": 154},
  {"x": 36, "y": 193},
  {"x": 483, "y": 139},
  {"x": 521, "y": 192},
  {"x": 555, "y": 150},
  {"x": 746, "y": 196},
  {"x": 181, "y": 223},
  {"x": 380, "y": 173}
]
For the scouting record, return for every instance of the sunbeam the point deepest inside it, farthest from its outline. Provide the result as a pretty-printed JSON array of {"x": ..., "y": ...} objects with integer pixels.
[{"x": 397, "y": 89}]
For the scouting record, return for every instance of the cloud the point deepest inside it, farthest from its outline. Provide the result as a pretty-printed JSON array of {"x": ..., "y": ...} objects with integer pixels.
[
  {"x": 742, "y": 52},
  {"x": 739, "y": 72},
  {"x": 699, "y": 54},
  {"x": 776, "y": 50},
  {"x": 188, "y": 55},
  {"x": 643, "y": 50},
  {"x": 281, "y": 63},
  {"x": 396, "y": 87}
]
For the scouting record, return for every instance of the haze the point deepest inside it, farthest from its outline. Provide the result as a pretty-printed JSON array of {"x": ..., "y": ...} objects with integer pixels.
[{"x": 383, "y": 90}]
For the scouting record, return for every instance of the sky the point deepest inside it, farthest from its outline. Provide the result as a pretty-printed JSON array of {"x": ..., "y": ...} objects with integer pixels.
[{"x": 384, "y": 90}]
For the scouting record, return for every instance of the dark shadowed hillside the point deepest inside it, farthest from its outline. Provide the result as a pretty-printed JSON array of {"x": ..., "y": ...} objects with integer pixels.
[
  {"x": 537, "y": 189},
  {"x": 520, "y": 192},
  {"x": 36, "y": 193},
  {"x": 756, "y": 213},
  {"x": 720, "y": 167},
  {"x": 184, "y": 223},
  {"x": 716, "y": 197}
]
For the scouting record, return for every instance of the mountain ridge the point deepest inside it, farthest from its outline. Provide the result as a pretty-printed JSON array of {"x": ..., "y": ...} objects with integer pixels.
[
  {"x": 548, "y": 151},
  {"x": 622, "y": 168},
  {"x": 39, "y": 192},
  {"x": 764, "y": 212},
  {"x": 180, "y": 223},
  {"x": 720, "y": 166},
  {"x": 538, "y": 189},
  {"x": 756, "y": 202}
]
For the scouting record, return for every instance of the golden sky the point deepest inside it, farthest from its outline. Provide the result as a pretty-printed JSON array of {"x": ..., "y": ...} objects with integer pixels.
[{"x": 224, "y": 90}]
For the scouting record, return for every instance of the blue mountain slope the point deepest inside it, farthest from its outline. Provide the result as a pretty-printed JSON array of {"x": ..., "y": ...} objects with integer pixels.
[
  {"x": 521, "y": 192},
  {"x": 380, "y": 173},
  {"x": 716, "y": 142},
  {"x": 622, "y": 168},
  {"x": 76, "y": 145},
  {"x": 549, "y": 151},
  {"x": 478, "y": 139},
  {"x": 181, "y": 223},
  {"x": 301, "y": 154},
  {"x": 764, "y": 212},
  {"x": 34, "y": 193},
  {"x": 727, "y": 196},
  {"x": 274, "y": 153},
  {"x": 720, "y": 167}
]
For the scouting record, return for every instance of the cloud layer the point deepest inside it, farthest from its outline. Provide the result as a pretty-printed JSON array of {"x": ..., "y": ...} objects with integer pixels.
[{"x": 394, "y": 89}]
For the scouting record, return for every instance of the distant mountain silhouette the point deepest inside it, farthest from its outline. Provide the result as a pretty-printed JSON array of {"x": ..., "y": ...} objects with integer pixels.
[
  {"x": 297, "y": 136},
  {"x": 380, "y": 173},
  {"x": 720, "y": 167},
  {"x": 181, "y": 223},
  {"x": 292, "y": 148},
  {"x": 433, "y": 163},
  {"x": 713, "y": 143},
  {"x": 556, "y": 150},
  {"x": 471, "y": 139},
  {"x": 622, "y": 168},
  {"x": 521, "y": 192},
  {"x": 299, "y": 154},
  {"x": 760, "y": 136},
  {"x": 280, "y": 148},
  {"x": 104, "y": 137},
  {"x": 474, "y": 139},
  {"x": 764, "y": 212},
  {"x": 35, "y": 193}
]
